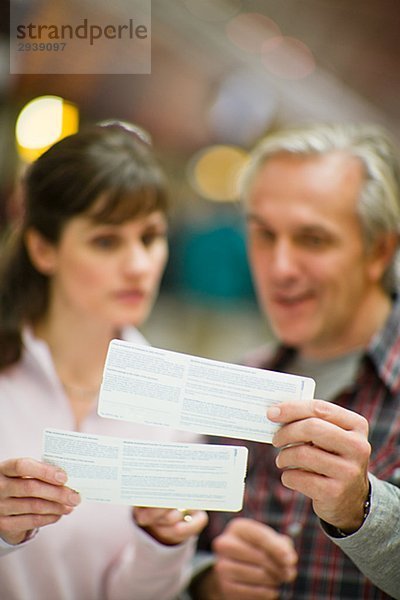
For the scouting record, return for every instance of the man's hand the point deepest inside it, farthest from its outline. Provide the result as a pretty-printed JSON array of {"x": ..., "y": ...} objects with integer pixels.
[
  {"x": 32, "y": 494},
  {"x": 252, "y": 562},
  {"x": 324, "y": 455},
  {"x": 170, "y": 526}
]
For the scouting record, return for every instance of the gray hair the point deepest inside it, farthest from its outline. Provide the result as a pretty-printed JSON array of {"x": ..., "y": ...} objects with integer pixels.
[{"x": 379, "y": 202}]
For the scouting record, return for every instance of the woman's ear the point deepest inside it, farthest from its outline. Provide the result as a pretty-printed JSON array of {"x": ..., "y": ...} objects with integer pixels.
[{"x": 41, "y": 252}]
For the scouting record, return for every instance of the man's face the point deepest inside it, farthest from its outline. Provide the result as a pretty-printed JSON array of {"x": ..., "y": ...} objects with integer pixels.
[{"x": 313, "y": 276}]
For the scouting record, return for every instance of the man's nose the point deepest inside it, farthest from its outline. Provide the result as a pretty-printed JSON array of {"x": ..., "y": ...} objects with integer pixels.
[{"x": 284, "y": 260}]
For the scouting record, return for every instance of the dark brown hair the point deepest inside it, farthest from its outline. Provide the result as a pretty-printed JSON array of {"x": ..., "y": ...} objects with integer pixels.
[{"x": 106, "y": 172}]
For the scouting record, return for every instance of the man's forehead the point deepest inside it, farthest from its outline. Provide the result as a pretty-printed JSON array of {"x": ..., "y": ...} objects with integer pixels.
[
  {"x": 332, "y": 161},
  {"x": 294, "y": 225},
  {"x": 326, "y": 181}
]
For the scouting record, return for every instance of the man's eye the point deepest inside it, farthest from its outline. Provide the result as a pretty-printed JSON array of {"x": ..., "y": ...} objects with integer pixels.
[
  {"x": 262, "y": 234},
  {"x": 267, "y": 235},
  {"x": 314, "y": 241}
]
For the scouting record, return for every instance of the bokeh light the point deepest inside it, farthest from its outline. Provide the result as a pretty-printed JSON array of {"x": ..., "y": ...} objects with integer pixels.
[
  {"x": 248, "y": 31},
  {"x": 287, "y": 57},
  {"x": 41, "y": 123},
  {"x": 214, "y": 171},
  {"x": 243, "y": 108}
]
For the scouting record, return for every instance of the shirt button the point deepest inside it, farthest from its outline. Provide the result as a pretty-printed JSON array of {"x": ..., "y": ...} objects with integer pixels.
[
  {"x": 396, "y": 477},
  {"x": 294, "y": 529}
]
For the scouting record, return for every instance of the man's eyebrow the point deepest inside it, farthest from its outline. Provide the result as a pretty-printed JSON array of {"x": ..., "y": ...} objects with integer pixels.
[
  {"x": 315, "y": 229},
  {"x": 256, "y": 218},
  {"x": 306, "y": 228}
]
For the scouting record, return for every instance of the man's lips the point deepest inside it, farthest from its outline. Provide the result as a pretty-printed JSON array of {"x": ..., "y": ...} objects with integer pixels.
[{"x": 291, "y": 300}]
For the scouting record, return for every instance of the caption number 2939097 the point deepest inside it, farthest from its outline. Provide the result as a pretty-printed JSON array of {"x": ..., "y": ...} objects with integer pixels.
[{"x": 41, "y": 47}]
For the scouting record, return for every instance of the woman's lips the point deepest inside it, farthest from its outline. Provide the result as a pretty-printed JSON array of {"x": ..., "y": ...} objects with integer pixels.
[{"x": 130, "y": 296}]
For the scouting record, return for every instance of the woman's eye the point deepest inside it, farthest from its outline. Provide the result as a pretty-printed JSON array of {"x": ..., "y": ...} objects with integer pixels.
[
  {"x": 151, "y": 236},
  {"x": 105, "y": 242}
]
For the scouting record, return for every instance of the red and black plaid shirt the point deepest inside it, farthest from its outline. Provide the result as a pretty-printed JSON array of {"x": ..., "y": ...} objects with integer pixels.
[{"x": 325, "y": 572}]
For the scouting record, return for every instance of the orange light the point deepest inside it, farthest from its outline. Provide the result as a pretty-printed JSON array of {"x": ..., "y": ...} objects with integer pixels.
[{"x": 214, "y": 172}]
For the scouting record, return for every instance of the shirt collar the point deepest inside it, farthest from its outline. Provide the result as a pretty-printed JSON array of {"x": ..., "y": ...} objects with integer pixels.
[
  {"x": 384, "y": 349},
  {"x": 37, "y": 351}
]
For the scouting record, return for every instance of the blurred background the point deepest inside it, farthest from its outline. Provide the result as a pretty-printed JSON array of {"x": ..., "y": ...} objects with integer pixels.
[{"x": 224, "y": 73}]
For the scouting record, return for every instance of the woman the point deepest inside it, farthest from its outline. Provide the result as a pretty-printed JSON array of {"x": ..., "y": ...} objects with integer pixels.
[{"x": 83, "y": 268}]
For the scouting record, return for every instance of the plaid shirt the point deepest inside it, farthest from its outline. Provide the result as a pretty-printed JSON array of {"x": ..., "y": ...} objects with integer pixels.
[{"x": 325, "y": 572}]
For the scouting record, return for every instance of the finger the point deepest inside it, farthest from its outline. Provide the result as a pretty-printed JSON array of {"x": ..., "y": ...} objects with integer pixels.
[
  {"x": 253, "y": 574},
  {"x": 180, "y": 531},
  {"x": 288, "y": 412},
  {"x": 167, "y": 517},
  {"x": 186, "y": 514},
  {"x": 32, "y": 488},
  {"x": 27, "y": 467},
  {"x": 323, "y": 434},
  {"x": 311, "y": 458},
  {"x": 176, "y": 515},
  {"x": 10, "y": 526},
  {"x": 258, "y": 535},
  {"x": 312, "y": 485},
  {"x": 26, "y": 506},
  {"x": 235, "y": 590},
  {"x": 186, "y": 529},
  {"x": 240, "y": 571},
  {"x": 274, "y": 571},
  {"x": 147, "y": 516},
  {"x": 236, "y": 549}
]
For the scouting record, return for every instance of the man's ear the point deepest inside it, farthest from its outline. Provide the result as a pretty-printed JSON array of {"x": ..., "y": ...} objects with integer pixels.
[
  {"x": 382, "y": 254},
  {"x": 41, "y": 252}
]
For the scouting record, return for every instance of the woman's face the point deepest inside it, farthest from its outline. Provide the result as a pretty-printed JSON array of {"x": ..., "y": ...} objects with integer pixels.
[{"x": 108, "y": 272}]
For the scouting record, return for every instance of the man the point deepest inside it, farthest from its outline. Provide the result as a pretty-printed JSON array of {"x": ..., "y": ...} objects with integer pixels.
[{"x": 322, "y": 505}]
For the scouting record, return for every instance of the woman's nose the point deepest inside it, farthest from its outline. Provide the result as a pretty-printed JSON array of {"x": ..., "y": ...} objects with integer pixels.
[{"x": 137, "y": 259}]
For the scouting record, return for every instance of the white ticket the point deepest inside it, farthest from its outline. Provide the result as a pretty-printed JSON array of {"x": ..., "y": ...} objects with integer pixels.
[
  {"x": 144, "y": 473},
  {"x": 160, "y": 387}
]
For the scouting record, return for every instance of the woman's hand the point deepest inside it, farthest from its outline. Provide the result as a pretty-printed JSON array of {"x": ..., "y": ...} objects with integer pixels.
[
  {"x": 32, "y": 494},
  {"x": 170, "y": 526}
]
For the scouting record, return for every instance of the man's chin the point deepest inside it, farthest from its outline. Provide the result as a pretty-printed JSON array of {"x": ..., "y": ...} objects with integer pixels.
[{"x": 289, "y": 337}]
